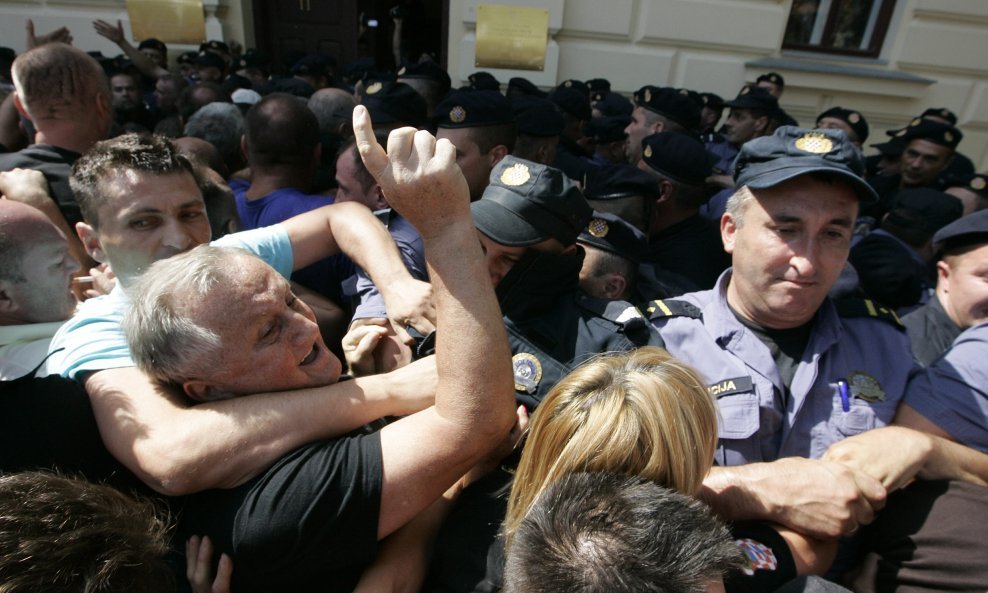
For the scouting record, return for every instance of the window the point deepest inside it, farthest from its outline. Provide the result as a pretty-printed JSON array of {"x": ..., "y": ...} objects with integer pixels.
[{"x": 848, "y": 27}]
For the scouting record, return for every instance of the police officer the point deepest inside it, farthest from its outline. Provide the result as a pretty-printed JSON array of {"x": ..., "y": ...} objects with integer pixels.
[
  {"x": 539, "y": 127},
  {"x": 849, "y": 121},
  {"x": 792, "y": 371},
  {"x": 528, "y": 221},
  {"x": 971, "y": 190},
  {"x": 613, "y": 251},
  {"x": 961, "y": 297}
]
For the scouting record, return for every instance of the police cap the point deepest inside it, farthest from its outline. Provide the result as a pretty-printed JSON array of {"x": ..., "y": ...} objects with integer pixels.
[
  {"x": 214, "y": 45},
  {"x": 941, "y": 112},
  {"x": 610, "y": 233},
  {"x": 790, "y": 151},
  {"x": 973, "y": 182},
  {"x": 599, "y": 85},
  {"x": 473, "y": 109},
  {"x": 607, "y": 129},
  {"x": 753, "y": 97},
  {"x": 924, "y": 209},
  {"x": 619, "y": 180},
  {"x": 188, "y": 57},
  {"x": 712, "y": 101},
  {"x": 576, "y": 85},
  {"x": 152, "y": 43},
  {"x": 677, "y": 156},
  {"x": 572, "y": 101},
  {"x": 519, "y": 86},
  {"x": 852, "y": 118},
  {"x": 611, "y": 104},
  {"x": 963, "y": 232},
  {"x": 209, "y": 59},
  {"x": 537, "y": 116},
  {"x": 527, "y": 203},
  {"x": 427, "y": 70},
  {"x": 670, "y": 103},
  {"x": 772, "y": 77},
  {"x": 395, "y": 102},
  {"x": 484, "y": 81},
  {"x": 932, "y": 131}
]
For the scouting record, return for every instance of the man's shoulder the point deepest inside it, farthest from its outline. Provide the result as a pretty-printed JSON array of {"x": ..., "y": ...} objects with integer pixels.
[{"x": 39, "y": 156}]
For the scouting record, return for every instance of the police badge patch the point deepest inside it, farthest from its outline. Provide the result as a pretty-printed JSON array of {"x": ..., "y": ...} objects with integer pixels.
[{"x": 528, "y": 372}]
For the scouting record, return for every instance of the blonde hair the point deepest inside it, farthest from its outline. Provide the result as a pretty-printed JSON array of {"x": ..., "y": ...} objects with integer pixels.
[{"x": 639, "y": 413}]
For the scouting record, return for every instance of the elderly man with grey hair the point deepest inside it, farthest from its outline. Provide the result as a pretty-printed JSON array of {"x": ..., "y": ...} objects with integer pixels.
[{"x": 222, "y": 125}]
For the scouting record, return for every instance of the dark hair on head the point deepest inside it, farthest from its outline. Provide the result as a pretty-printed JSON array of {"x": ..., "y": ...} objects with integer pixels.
[
  {"x": 281, "y": 130},
  {"x": 364, "y": 178},
  {"x": 59, "y": 534},
  {"x": 487, "y": 137},
  {"x": 130, "y": 152}
]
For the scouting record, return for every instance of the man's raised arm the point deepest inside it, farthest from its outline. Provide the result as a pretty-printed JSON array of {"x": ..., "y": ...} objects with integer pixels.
[{"x": 427, "y": 452}]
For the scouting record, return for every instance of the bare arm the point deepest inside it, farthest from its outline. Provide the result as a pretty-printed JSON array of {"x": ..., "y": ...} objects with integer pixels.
[
  {"x": 178, "y": 449},
  {"x": 141, "y": 61},
  {"x": 351, "y": 228},
  {"x": 424, "y": 454},
  {"x": 820, "y": 499}
]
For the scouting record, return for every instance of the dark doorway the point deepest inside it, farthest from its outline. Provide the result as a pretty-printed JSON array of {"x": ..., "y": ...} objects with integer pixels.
[{"x": 348, "y": 29}]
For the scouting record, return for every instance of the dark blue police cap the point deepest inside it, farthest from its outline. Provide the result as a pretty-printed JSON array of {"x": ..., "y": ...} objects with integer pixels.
[
  {"x": 210, "y": 59},
  {"x": 572, "y": 101},
  {"x": 537, "y": 116},
  {"x": 611, "y": 104},
  {"x": 670, "y": 103},
  {"x": 613, "y": 234},
  {"x": 576, "y": 85},
  {"x": 427, "y": 70},
  {"x": 527, "y": 203},
  {"x": 754, "y": 97},
  {"x": 677, "y": 156},
  {"x": 214, "y": 45},
  {"x": 395, "y": 102},
  {"x": 924, "y": 209},
  {"x": 473, "y": 109},
  {"x": 941, "y": 112},
  {"x": 188, "y": 57},
  {"x": 712, "y": 100},
  {"x": 963, "y": 232},
  {"x": 932, "y": 131},
  {"x": 790, "y": 152},
  {"x": 772, "y": 77},
  {"x": 974, "y": 182},
  {"x": 152, "y": 43},
  {"x": 619, "y": 180},
  {"x": 484, "y": 81},
  {"x": 607, "y": 129},
  {"x": 519, "y": 86},
  {"x": 599, "y": 85},
  {"x": 851, "y": 118}
]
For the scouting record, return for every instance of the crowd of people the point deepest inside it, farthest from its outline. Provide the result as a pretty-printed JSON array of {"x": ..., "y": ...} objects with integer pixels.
[{"x": 338, "y": 329}]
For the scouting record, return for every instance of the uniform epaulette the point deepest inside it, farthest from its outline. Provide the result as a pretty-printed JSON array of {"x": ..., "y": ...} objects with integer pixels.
[
  {"x": 868, "y": 308},
  {"x": 619, "y": 312},
  {"x": 672, "y": 308}
]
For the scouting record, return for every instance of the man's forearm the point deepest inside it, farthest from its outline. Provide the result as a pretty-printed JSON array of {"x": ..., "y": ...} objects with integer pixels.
[
  {"x": 730, "y": 492},
  {"x": 179, "y": 449}
]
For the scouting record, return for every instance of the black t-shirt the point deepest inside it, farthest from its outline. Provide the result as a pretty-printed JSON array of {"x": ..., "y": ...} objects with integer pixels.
[
  {"x": 786, "y": 345},
  {"x": 56, "y": 164},
  {"x": 309, "y": 523}
]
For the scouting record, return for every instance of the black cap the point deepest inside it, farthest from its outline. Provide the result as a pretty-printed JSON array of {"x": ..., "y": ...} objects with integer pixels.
[
  {"x": 484, "y": 81},
  {"x": 677, "y": 156},
  {"x": 576, "y": 85},
  {"x": 932, "y": 131},
  {"x": 153, "y": 43},
  {"x": 572, "y": 101},
  {"x": 773, "y": 77},
  {"x": 606, "y": 129},
  {"x": 789, "y": 152},
  {"x": 598, "y": 85},
  {"x": 313, "y": 65},
  {"x": 619, "y": 180},
  {"x": 214, "y": 45},
  {"x": 519, "y": 86},
  {"x": 670, "y": 103},
  {"x": 188, "y": 57},
  {"x": 292, "y": 86},
  {"x": 964, "y": 232},
  {"x": 712, "y": 101},
  {"x": 851, "y": 118},
  {"x": 941, "y": 112},
  {"x": 975, "y": 182},
  {"x": 536, "y": 116},
  {"x": 473, "y": 109},
  {"x": 527, "y": 203},
  {"x": 924, "y": 209},
  {"x": 693, "y": 95},
  {"x": 395, "y": 102},
  {"x": 615, "y": 235},
  {"x": 209, "y": 59},
  {"x": 427, "y": 70},
  {"x": 611, "y": 104},
  {"x": 753, "y": 97},
  {"x": 894, "y": 147}
]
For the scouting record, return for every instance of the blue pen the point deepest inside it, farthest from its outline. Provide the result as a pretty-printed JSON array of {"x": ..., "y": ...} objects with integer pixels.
[{"x": 845, "y": 396}]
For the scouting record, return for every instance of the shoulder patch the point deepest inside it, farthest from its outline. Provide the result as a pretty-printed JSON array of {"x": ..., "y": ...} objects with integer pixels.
[
  {"x": 659, "y": 309},
  {"x": 868, "y": 308}
]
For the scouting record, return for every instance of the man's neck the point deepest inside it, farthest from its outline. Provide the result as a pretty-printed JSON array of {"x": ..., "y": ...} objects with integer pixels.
[
  {"x": 65, "y": 135},
  {"x": 264, "y": 182}
]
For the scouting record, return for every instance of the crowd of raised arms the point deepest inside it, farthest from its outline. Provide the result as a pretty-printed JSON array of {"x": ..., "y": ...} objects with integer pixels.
[{"x": 303, "y": 327}]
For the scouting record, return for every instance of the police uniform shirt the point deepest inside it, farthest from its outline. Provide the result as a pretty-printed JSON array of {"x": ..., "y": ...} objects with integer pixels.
[
  {"x": 953, "y": 392},
  {"x": 850, "y": 378},
  {"x": 930, "y": 330}
]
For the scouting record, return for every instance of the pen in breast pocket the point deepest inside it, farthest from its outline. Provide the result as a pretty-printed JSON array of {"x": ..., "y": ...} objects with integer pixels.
[{"x": 845, "y": 396}]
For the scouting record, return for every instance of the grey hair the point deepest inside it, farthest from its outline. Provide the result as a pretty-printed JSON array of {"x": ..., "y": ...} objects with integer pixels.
[
  {"x": 737, "y": 203},
  {"x": 164, "y": 342},
  {"x": 222, "y": 125}
]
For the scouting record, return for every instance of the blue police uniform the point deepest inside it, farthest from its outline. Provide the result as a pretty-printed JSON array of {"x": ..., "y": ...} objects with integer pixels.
[
  {"x": 953, "y": 391},
  {"x": 859, "y": 352}
]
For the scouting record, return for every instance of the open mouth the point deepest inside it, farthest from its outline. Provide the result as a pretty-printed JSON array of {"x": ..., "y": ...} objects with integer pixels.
[{"x": 311, "y": 356}]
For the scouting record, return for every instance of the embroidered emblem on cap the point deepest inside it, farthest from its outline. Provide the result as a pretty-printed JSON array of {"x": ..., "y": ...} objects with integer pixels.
[
  {"x": 945, "y": 113},
  {"x": 745, "y": 90},
  {"x": 978, "y": 183},
  {"x": 684, "y": 92},
  {"x": 814, "y": 142},
  {"x": 901, "y": 132},
  {"x": 515, "y": 175},
  {"x": 648, "y": 151},
  {"x": 374, "y": 88},
  {"x": 402, "y": 71},
  {"x": 528, "y": 372},
  {"x": 949, "y": 137},
  {"x": 597, "y": 97},
  {"x": 915, "y": 122},
  {"x": 648, "y": 95},
  {"x": 457, "y": 114},
  {"x": 568, "y": 83},
  {"x": 866, "y": 387},
  {"x": 854, "y": 117},
  {"x": 598, "y": 228}
]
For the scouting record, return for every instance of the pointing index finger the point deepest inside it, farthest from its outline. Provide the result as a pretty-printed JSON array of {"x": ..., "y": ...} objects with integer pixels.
[{"x": 375, "y": 159}]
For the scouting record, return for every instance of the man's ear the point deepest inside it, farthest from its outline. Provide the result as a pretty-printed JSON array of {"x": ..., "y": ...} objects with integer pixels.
[
  {"x": 497, "y": 153},
  {"x": 761, "y": 125},
  {"x": 614, "y": 285},
  {"x": 728, "y": 231},
  {"x": 943, "y": 276},
  {"x": 19, "y": 105},
  {"x": 90, "y": 241},
  {"x": 665, "y": 191},
  {"x": 7, "y": 304},
  {"x": 201, "y": 391},
  {"x": 381, "y": 202}
]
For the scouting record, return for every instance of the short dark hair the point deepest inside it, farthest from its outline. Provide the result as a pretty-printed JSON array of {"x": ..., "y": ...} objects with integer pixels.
[
  {"x": 281, "y": 130},
  {"x": 603, "y": 533},
  {"x": 364, "y": 178},
  {"x": 63, "y": 534},
  {"x": 149, "y": 154},
  {"x": 487, "y": 137}
]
